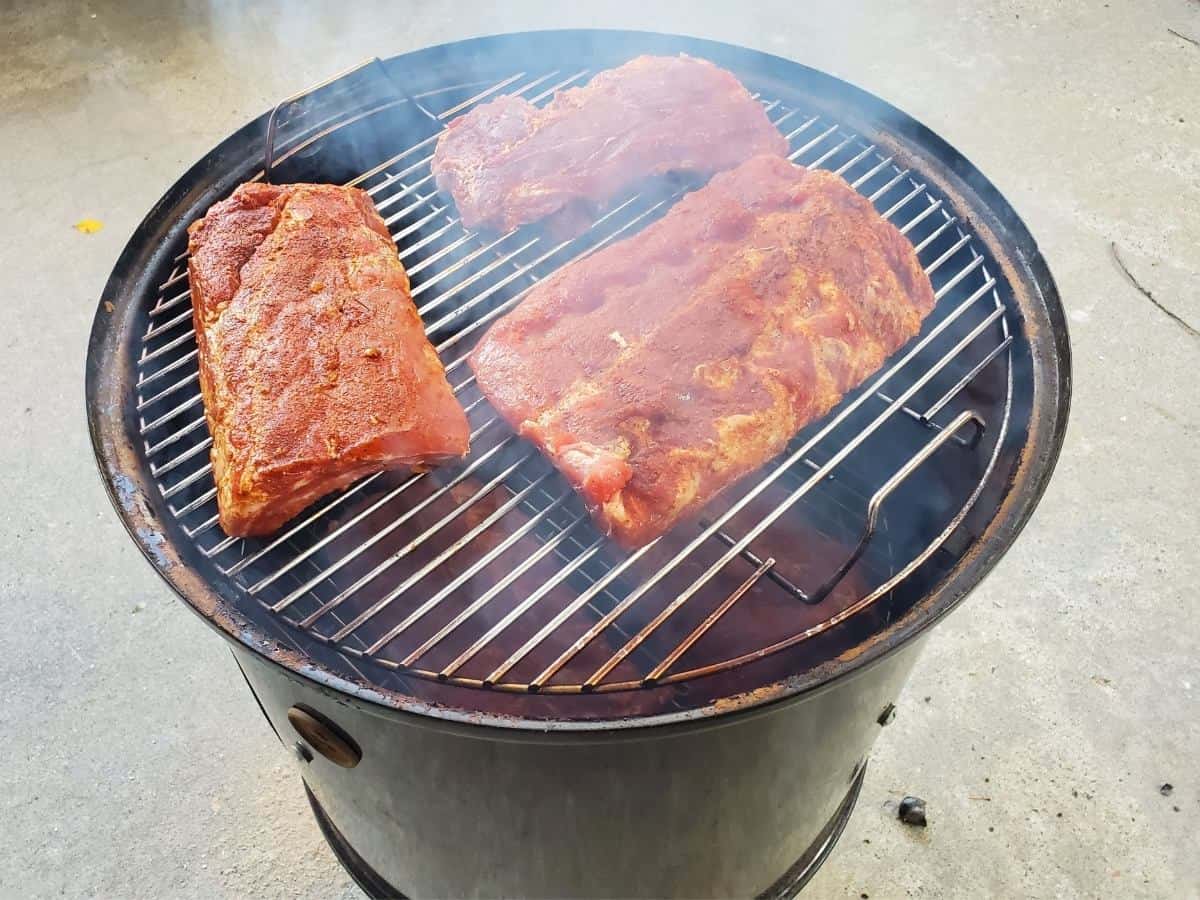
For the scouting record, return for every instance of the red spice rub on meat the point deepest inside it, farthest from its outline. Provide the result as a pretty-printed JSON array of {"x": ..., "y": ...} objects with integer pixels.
[
  {"x": 314, "y": 365},
  {"x": 508, "y": 162},
  {"x": 661, "y": 369}
]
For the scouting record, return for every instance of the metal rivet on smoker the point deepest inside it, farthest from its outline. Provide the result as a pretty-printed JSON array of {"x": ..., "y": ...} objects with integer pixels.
[{"x": 889, "y": 713}]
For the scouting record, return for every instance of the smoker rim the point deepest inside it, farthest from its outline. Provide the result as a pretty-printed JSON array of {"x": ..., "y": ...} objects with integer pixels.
[{"x": 996, "y": 224}]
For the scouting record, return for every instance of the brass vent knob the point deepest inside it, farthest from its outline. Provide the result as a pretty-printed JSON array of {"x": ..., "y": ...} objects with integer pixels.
[{"x": 325, "y": 737}]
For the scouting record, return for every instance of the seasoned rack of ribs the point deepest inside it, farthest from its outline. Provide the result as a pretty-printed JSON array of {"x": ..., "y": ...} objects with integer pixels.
[
  {"x": 508, "y": 162},
  {"x": 661, "y": 369},
  {"x": 314, "y": 365}
]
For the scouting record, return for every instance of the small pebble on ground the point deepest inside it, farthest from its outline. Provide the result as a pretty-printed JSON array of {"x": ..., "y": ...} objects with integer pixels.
[{"x": 912, "y": 811}]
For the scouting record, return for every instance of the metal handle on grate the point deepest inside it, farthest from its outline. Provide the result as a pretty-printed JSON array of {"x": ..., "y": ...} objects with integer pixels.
[
  {"x": 393, "y": 88},
  {"x": 878, "y": 498}
]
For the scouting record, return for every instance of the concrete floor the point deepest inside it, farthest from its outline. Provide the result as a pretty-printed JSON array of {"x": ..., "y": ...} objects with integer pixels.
[{"x": 1044, "y": 715}]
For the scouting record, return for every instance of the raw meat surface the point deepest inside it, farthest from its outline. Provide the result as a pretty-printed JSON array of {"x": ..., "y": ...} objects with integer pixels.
[
  {"x": 314, "y": 365},
  {"x": 661, "y": 369},
  {"x": 508, "y": 162}
]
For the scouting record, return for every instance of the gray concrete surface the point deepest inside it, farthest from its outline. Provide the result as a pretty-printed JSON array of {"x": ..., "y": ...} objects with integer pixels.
[{"x": 1044, "y": 715}]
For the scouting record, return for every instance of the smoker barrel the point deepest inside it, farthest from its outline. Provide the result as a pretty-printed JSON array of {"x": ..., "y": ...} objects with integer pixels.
[{"x": 470, "y": 623}]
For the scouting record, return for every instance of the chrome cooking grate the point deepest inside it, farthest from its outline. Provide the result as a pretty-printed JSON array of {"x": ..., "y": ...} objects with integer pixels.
[{"x": 489, "y": 572}]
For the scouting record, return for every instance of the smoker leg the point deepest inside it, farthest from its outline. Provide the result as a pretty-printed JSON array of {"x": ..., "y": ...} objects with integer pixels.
[{"x": 792, "y": 882}]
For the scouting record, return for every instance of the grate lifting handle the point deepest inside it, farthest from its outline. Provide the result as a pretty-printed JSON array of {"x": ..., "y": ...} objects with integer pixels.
[
  {"x": 967, "y": 417},
  {"x": 348, "y": 93}
]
